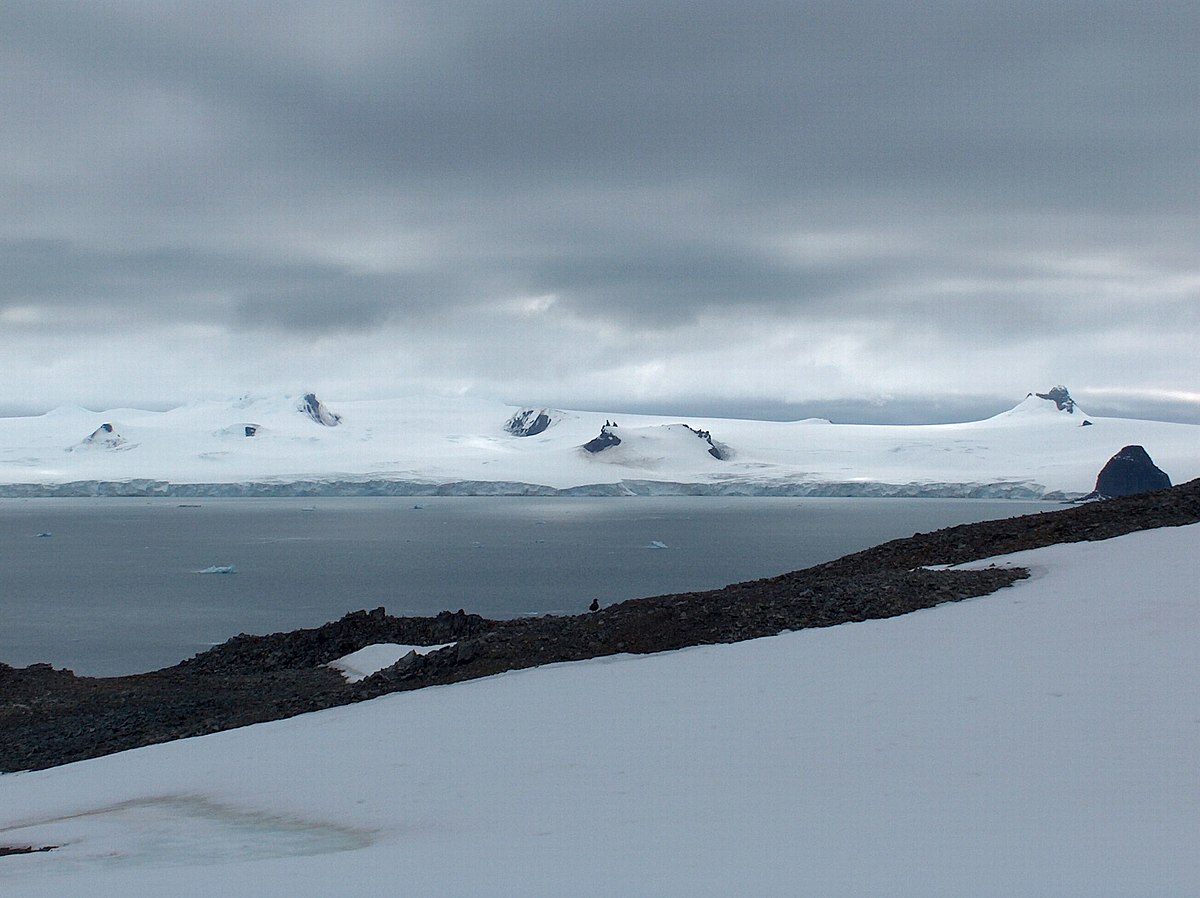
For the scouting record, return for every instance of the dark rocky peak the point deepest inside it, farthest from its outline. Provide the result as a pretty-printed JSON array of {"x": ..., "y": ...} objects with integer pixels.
[
  {"x": 318, "y": 411},
  {"x": 1127, "y": 473},
  {"x": 719, "y": 451},
  {"x": 105, "y": 436},
  {"x": 1060, "y": 397},
  {"x": 529, "y": 422},
  {"x": 606, "y": 440}
]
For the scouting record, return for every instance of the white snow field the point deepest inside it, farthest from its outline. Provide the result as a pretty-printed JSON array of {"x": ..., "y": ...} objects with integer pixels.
[
  {"x": 1041, "y": 741},
  {"x": 1026, "y": 452},
  {"x": 374, "y": 658}
]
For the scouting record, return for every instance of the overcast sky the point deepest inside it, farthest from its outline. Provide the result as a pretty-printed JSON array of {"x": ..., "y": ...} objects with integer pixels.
[{"x": 868, "y": 210}]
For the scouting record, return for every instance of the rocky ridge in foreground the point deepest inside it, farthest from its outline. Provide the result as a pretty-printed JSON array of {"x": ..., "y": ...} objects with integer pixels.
[{"x": 50, "y": 717}]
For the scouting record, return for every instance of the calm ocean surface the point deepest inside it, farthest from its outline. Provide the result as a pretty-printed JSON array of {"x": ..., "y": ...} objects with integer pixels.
[{"x": 115, "y": 585}]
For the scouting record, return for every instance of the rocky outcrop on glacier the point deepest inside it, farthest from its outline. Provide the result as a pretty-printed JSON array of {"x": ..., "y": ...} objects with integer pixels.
[
  {"x": 719, "y": 451},
  {"x": 318, "y": 411},
  {"x": 1129, "y": 472},
  {"x": 529, "y": 422},
  {"x": 606, "y": 440},
  {"x": 105, "y": 436},
  {"x": 1060, "y": 396},
  {"x": 659, "y": 442}
]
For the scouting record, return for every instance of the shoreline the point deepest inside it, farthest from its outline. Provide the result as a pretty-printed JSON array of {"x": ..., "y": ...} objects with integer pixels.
[{"x": 50, "y": 717}]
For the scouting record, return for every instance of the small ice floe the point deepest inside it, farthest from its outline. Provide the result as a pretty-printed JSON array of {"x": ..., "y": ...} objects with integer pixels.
[
  {"x": 219, "y": 569},
  {"x": 418, "y": 507},
  {"x": 374, "y": 658},
  {"x": 655, "y": 544},
  {"x": 45, "y": 534}
]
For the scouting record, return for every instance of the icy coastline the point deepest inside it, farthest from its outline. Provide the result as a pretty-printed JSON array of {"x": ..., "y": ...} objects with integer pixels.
[{"x": 623, "y": 488}]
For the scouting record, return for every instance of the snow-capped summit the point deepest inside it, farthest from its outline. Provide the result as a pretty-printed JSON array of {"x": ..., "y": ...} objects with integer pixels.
[{"x": 1054, "y": 404}]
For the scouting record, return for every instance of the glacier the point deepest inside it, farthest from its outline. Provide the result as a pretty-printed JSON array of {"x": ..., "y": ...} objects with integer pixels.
[{"x": 302, "y": 446}]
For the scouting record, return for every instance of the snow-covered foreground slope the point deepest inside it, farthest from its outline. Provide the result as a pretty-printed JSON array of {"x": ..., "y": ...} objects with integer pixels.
[
  {"x": 1039, "y": 741},
  {"x": 465, "y": 446}
]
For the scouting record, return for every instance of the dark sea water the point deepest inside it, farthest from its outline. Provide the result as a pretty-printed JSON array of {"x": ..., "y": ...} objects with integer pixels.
[{"x": 115, "y": 585}]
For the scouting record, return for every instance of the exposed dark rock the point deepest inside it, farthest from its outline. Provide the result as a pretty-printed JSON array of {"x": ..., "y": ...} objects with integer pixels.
[
  {"x": 319, "y": 411},
  {"x": 103, "y": 437},
  {"x": 50, "y": 717},
  {"x": 528, "y": 422},
  {"x": 1129, "y": 472},
  {"x": 251, "y": 430},
  {"x": 1060, "y": 397},
  {"x": 719, "y": 451},
  {"x": 606, "y": 440},
  {"x": 407, "y": 661}
]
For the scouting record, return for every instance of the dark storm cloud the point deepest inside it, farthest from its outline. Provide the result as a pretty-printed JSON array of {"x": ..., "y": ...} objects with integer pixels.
[
  {"x": 341, "y": 301},
  {"x": 181, "y": 285},
  {"x": 958, "y": 165}
]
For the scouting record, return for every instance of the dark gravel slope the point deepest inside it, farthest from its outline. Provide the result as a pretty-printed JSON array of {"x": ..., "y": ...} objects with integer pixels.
[{"x": 50, "y": 717}]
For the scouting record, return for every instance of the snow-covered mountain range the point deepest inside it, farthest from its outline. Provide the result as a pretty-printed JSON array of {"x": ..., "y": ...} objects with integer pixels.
[{"x": 1046, "y": 446}]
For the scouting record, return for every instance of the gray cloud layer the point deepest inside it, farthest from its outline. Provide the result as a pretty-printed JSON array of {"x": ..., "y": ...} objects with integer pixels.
[{"x": 431, "y": 183}]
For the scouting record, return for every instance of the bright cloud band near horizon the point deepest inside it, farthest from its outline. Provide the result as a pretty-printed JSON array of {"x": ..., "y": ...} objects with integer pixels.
[{"x": 874, "y": 211}]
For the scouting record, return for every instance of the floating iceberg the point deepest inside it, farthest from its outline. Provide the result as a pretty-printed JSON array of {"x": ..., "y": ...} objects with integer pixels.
[{"x": 219, "y": 569}]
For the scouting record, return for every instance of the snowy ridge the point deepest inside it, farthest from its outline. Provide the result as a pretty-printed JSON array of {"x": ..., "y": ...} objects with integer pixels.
[{"x": 302, "y": 445}]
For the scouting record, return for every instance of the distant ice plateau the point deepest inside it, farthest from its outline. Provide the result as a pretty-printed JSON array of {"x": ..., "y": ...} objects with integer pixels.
[{"x": 1046, "y": 447}]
